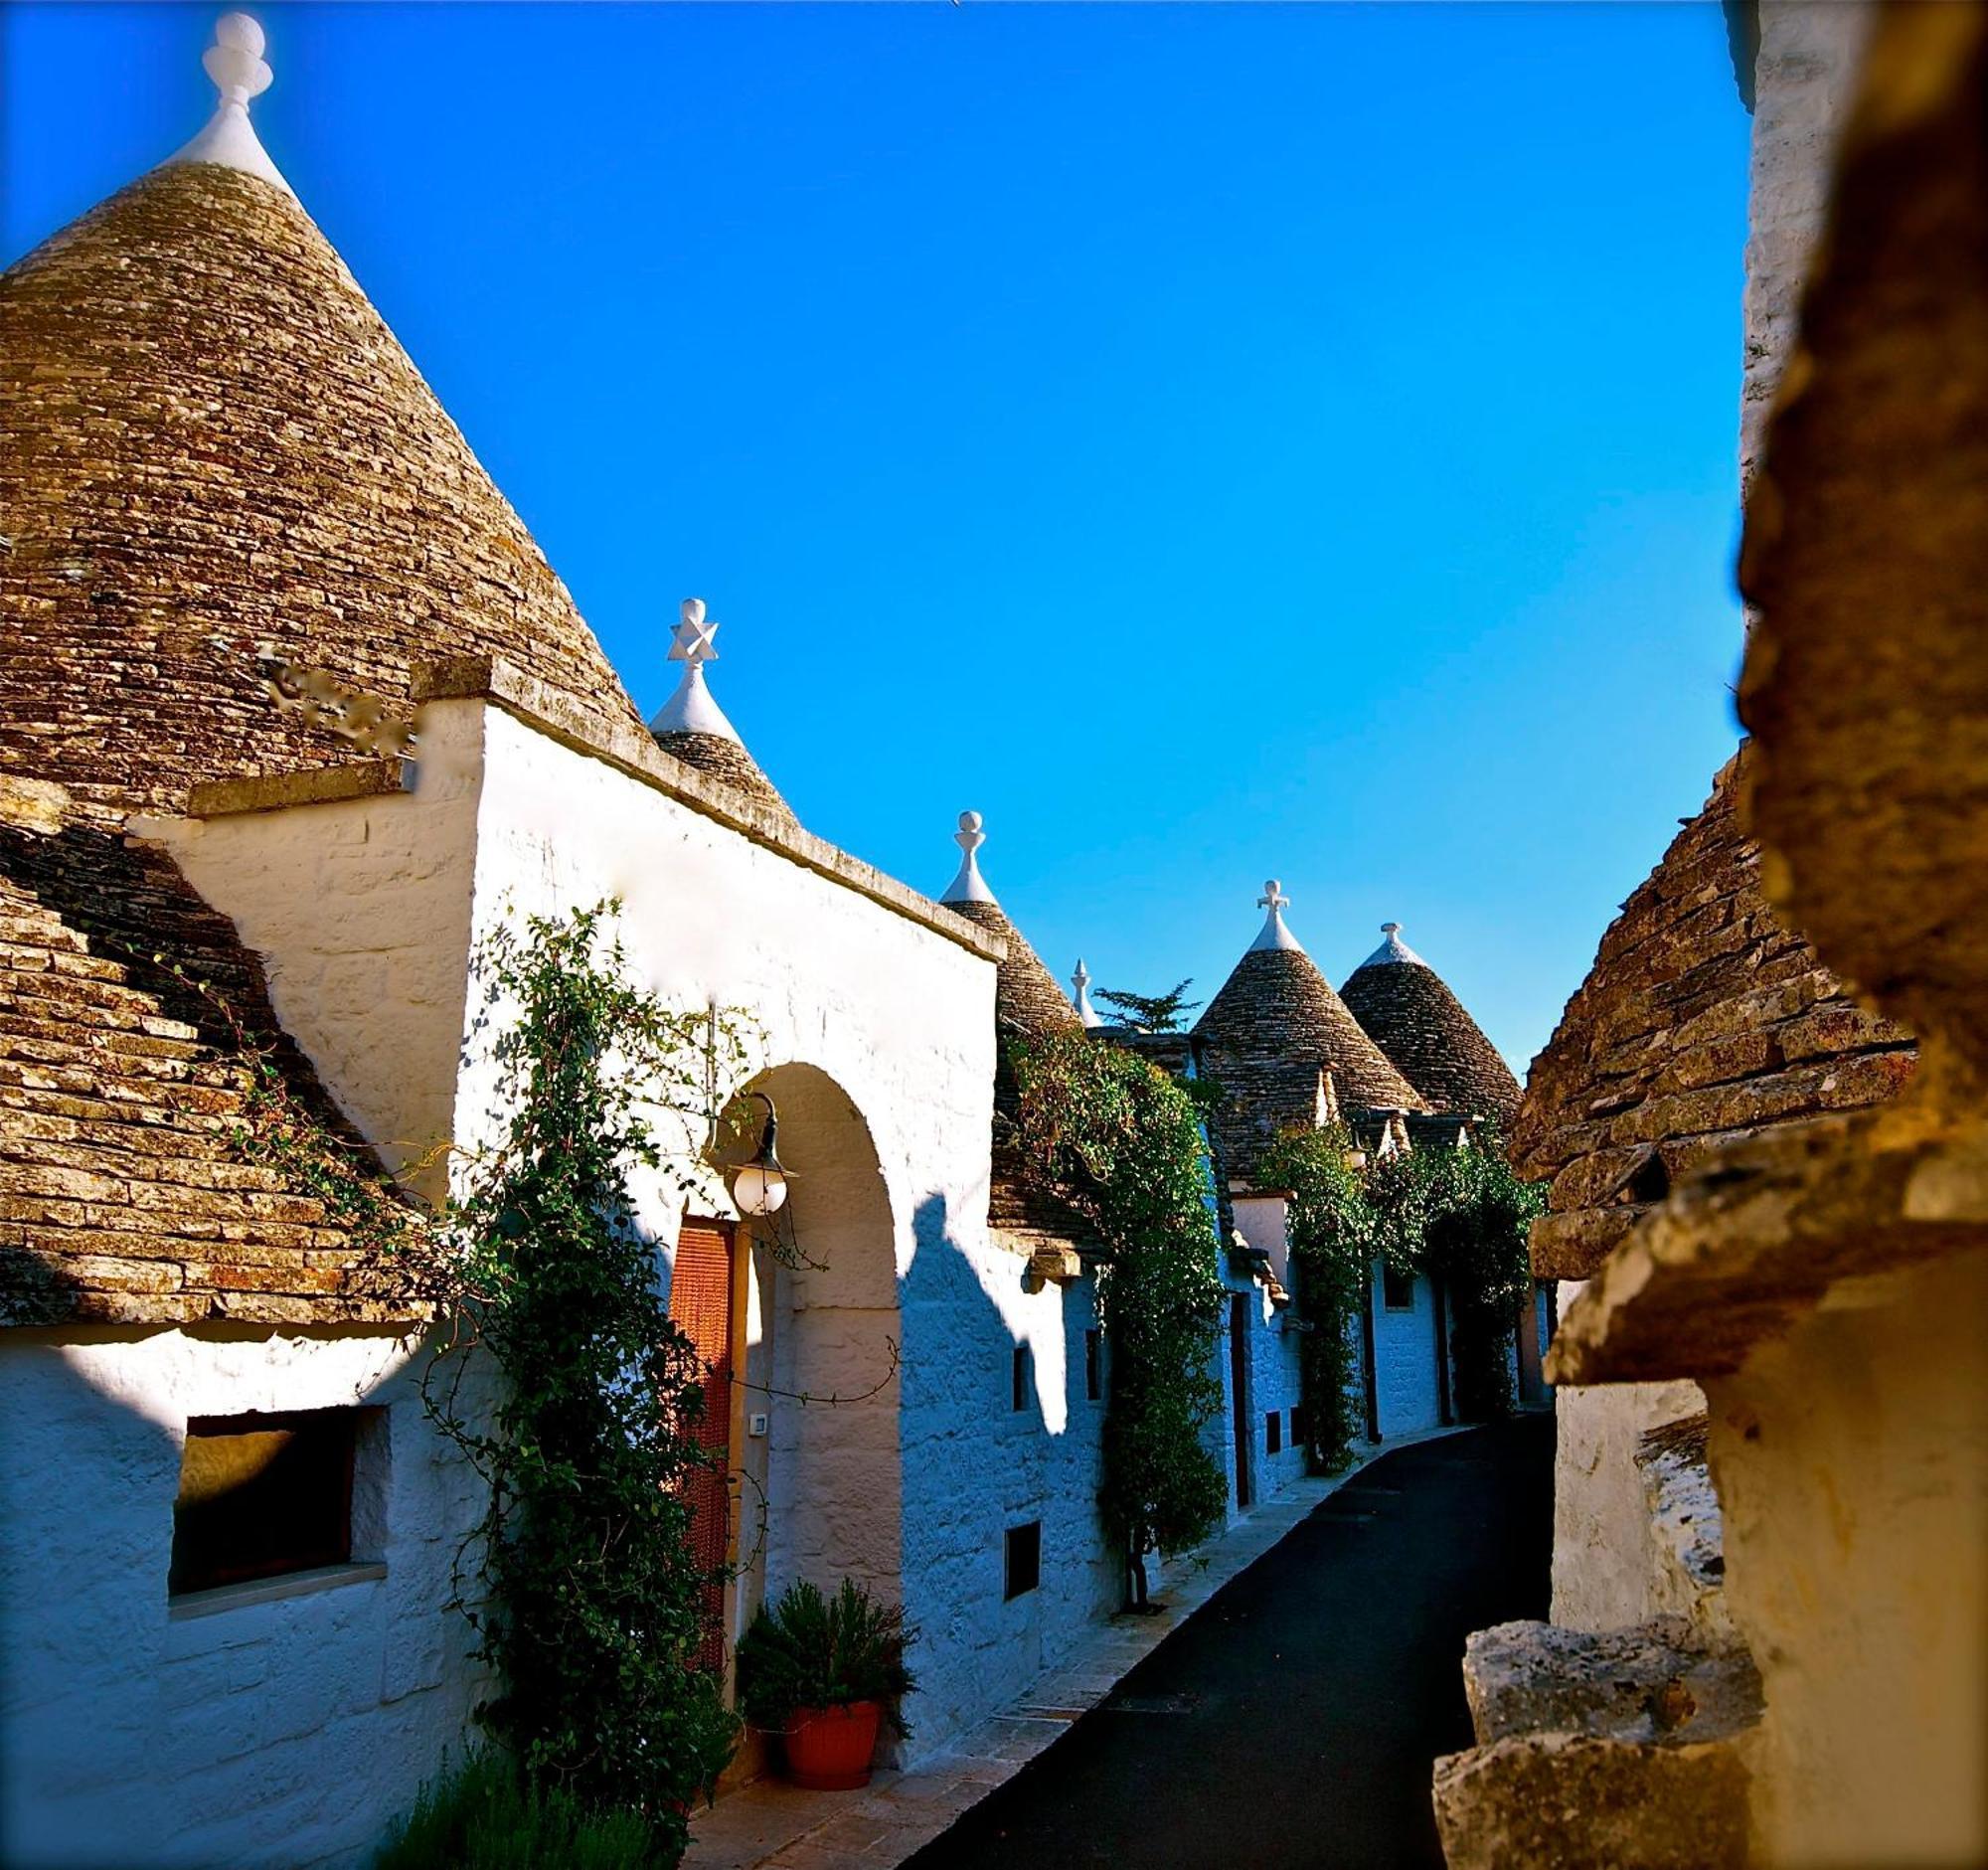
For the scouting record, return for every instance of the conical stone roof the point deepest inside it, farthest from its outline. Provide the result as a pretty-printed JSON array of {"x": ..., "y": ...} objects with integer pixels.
[
  {"x": 1408, "y": 1011},
  {"x": 214, "y": 442},
  {"x": 1028, "y": 1003},
  {"x": 692, "y": 727},
  {"x": 1267, "y": 1034}
]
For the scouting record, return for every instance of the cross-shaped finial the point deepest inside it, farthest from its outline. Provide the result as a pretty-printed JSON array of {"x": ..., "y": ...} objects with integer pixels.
[
  {"x": 690, "y": 640},
  {"x": 1274, "y": 933}
]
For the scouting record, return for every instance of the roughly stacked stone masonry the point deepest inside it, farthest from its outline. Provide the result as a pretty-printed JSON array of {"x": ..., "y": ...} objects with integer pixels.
[
  {"x": 727, "y": 761},
  {"x": 1408, "y": 1011},
  {"x": 1265, "y": 1037},
  {"x": 127, "y": 1193},
  {"x": 1703, "y": 1020},
  {"x": 1622, "y": 1750},
  {"x": 214, "y": 441},
  {"x": 1028, "y": 1004}
]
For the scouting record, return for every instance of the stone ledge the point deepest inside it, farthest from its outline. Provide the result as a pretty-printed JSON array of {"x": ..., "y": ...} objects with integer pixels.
[
  {"x": 222, "y": 1598},
  {"x": 1573, "y": 1246},
  {"x": 633, "y": 750},
  {"x": 1563, "y": 1802},
  {"x": 277, "y": 791},
  {"x": 1759, "y": 1237},
  {"x": 1619, "y": 1751}
]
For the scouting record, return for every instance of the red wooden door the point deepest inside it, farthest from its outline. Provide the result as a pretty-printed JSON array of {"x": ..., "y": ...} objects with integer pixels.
[{"x": 701, "y": 1305}]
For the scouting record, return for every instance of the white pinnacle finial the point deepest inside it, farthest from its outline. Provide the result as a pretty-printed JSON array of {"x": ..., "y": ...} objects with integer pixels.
[
  {"x": 691, "y": 709},
  {"x": 1274, "y": 934},
  {"x": 1393, "y": 949},
  {"x": 1080, "y": 980},
  {"x": 970, "y": 886},
  {"x": 240, "y": 71}
]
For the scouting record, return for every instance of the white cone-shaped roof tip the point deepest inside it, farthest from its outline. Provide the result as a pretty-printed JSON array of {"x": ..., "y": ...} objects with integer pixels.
[
  {"x": 1274, "y": 934},
  {"x": 970, "y": 886},
  {"x": 1393, "y": 949},
  {"x": 235, "y": 64},
  {"x": 691, "y": 709},
  {"x": 1080, "y": 980}
]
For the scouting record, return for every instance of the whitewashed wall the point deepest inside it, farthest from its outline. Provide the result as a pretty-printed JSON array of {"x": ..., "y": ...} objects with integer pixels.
[
  {"x": 269, "y": 1734},
  {"x": 368, "y": 910},
  {"x": 1404, "y": 1361}
]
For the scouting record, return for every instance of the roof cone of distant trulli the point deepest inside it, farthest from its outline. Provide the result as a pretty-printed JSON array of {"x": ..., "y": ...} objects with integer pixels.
[
  {"x": 1026, "y": 995},
  {"x": 692, "y": 726},
  {"x": 1411, "y": 1015},
  {"x": 1270, "y": 1030},
  {"x": 214, "y": 443}
]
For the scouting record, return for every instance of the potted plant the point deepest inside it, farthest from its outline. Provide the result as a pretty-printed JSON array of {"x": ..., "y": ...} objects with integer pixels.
[{"x": 825, "y": 1674}]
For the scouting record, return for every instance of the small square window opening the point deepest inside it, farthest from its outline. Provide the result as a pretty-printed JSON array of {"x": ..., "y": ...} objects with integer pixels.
[
  {"x": 1022, "y": 1560},
  {"x": 1398, "y": 1290},
  {"x": 260, "y": 1495}
]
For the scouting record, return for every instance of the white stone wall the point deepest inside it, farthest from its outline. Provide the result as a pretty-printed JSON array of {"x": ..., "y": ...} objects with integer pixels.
[
  {"x": 1809, "y": 49},
  {"x": 877, "y": 1032},
  {"x": 1852, "y": 1462},
  {"x": 1404, "y": 1361},
  {"x": 271, "y": 1734},
  {"x": 1608, "y": 1569}
]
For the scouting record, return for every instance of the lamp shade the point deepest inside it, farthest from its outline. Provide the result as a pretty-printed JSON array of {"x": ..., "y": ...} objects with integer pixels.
[{"x": 760, "y": 1189}]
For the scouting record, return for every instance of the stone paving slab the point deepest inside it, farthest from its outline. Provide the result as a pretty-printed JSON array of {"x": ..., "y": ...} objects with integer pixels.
[{"x": 771, "y": 1825}]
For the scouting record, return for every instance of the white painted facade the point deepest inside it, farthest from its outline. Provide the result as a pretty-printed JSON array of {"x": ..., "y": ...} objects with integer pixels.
[
  {"x": 876, "y": 1036},
  {"x": 287, "y": 1730},
  {"x": 271, "y": 1732},
  {"x": 1407, "y": 1388}
]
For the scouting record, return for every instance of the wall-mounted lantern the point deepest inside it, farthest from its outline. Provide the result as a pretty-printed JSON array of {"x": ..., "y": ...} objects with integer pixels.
[{"x": 759, "y": 1187}]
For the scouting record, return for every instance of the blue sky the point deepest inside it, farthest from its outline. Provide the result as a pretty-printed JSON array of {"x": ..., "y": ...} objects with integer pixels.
[{"x": 1211, "y": 441}]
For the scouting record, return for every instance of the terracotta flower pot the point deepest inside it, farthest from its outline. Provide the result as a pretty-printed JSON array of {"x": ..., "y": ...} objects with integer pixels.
[{"x": 829, "y": 1749}]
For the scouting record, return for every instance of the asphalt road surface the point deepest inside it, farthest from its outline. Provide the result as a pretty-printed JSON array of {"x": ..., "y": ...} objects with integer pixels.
[{"x": 1292, "y": 1721}]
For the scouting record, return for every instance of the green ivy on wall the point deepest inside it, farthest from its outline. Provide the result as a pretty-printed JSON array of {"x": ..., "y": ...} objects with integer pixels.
[
  {"x": 556, "y": 1368},
  {"x": 588, "y": 1599},
  {"x": 1119, "y": 1141},
  {"x": 1460, "y": 1216}
]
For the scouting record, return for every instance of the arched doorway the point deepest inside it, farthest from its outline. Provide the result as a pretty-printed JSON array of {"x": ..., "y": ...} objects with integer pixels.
[{"x": 818, "y": 1458}]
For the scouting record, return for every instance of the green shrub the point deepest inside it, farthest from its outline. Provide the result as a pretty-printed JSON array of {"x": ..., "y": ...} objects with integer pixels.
[
  {"x": 486, "y": 1816},
  {"x": 1114, "y": 1137},
  {"x": 814, "y": 1651}
]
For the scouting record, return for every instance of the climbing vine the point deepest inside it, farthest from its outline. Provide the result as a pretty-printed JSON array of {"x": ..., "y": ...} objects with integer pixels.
[
  {"x": 1119, "y": 1141},
  {"x": 1471, "y": 1216},
  {"x": 1460, "y": 1216},
  {"x": 587, "y": 1601},
  {"x": 1331, "y": 1227}
]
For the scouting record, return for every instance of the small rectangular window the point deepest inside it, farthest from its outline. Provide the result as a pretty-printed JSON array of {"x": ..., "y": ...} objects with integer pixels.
[
  {"x": 1398, "y": 1290},
  {"x": 1022, "y": 1560},
  {"x": 1297, "y": 1424},
  {"x": 1019, "y": 1394},
  {"x": 1273, "y": 1433},
  {"x": 264, "y": 1494},
  {"x": 1093, "y": 1366}
]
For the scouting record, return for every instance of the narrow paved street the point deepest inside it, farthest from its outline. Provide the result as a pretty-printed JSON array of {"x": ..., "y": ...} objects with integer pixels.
[{"x": 1293, "y": 1720}]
